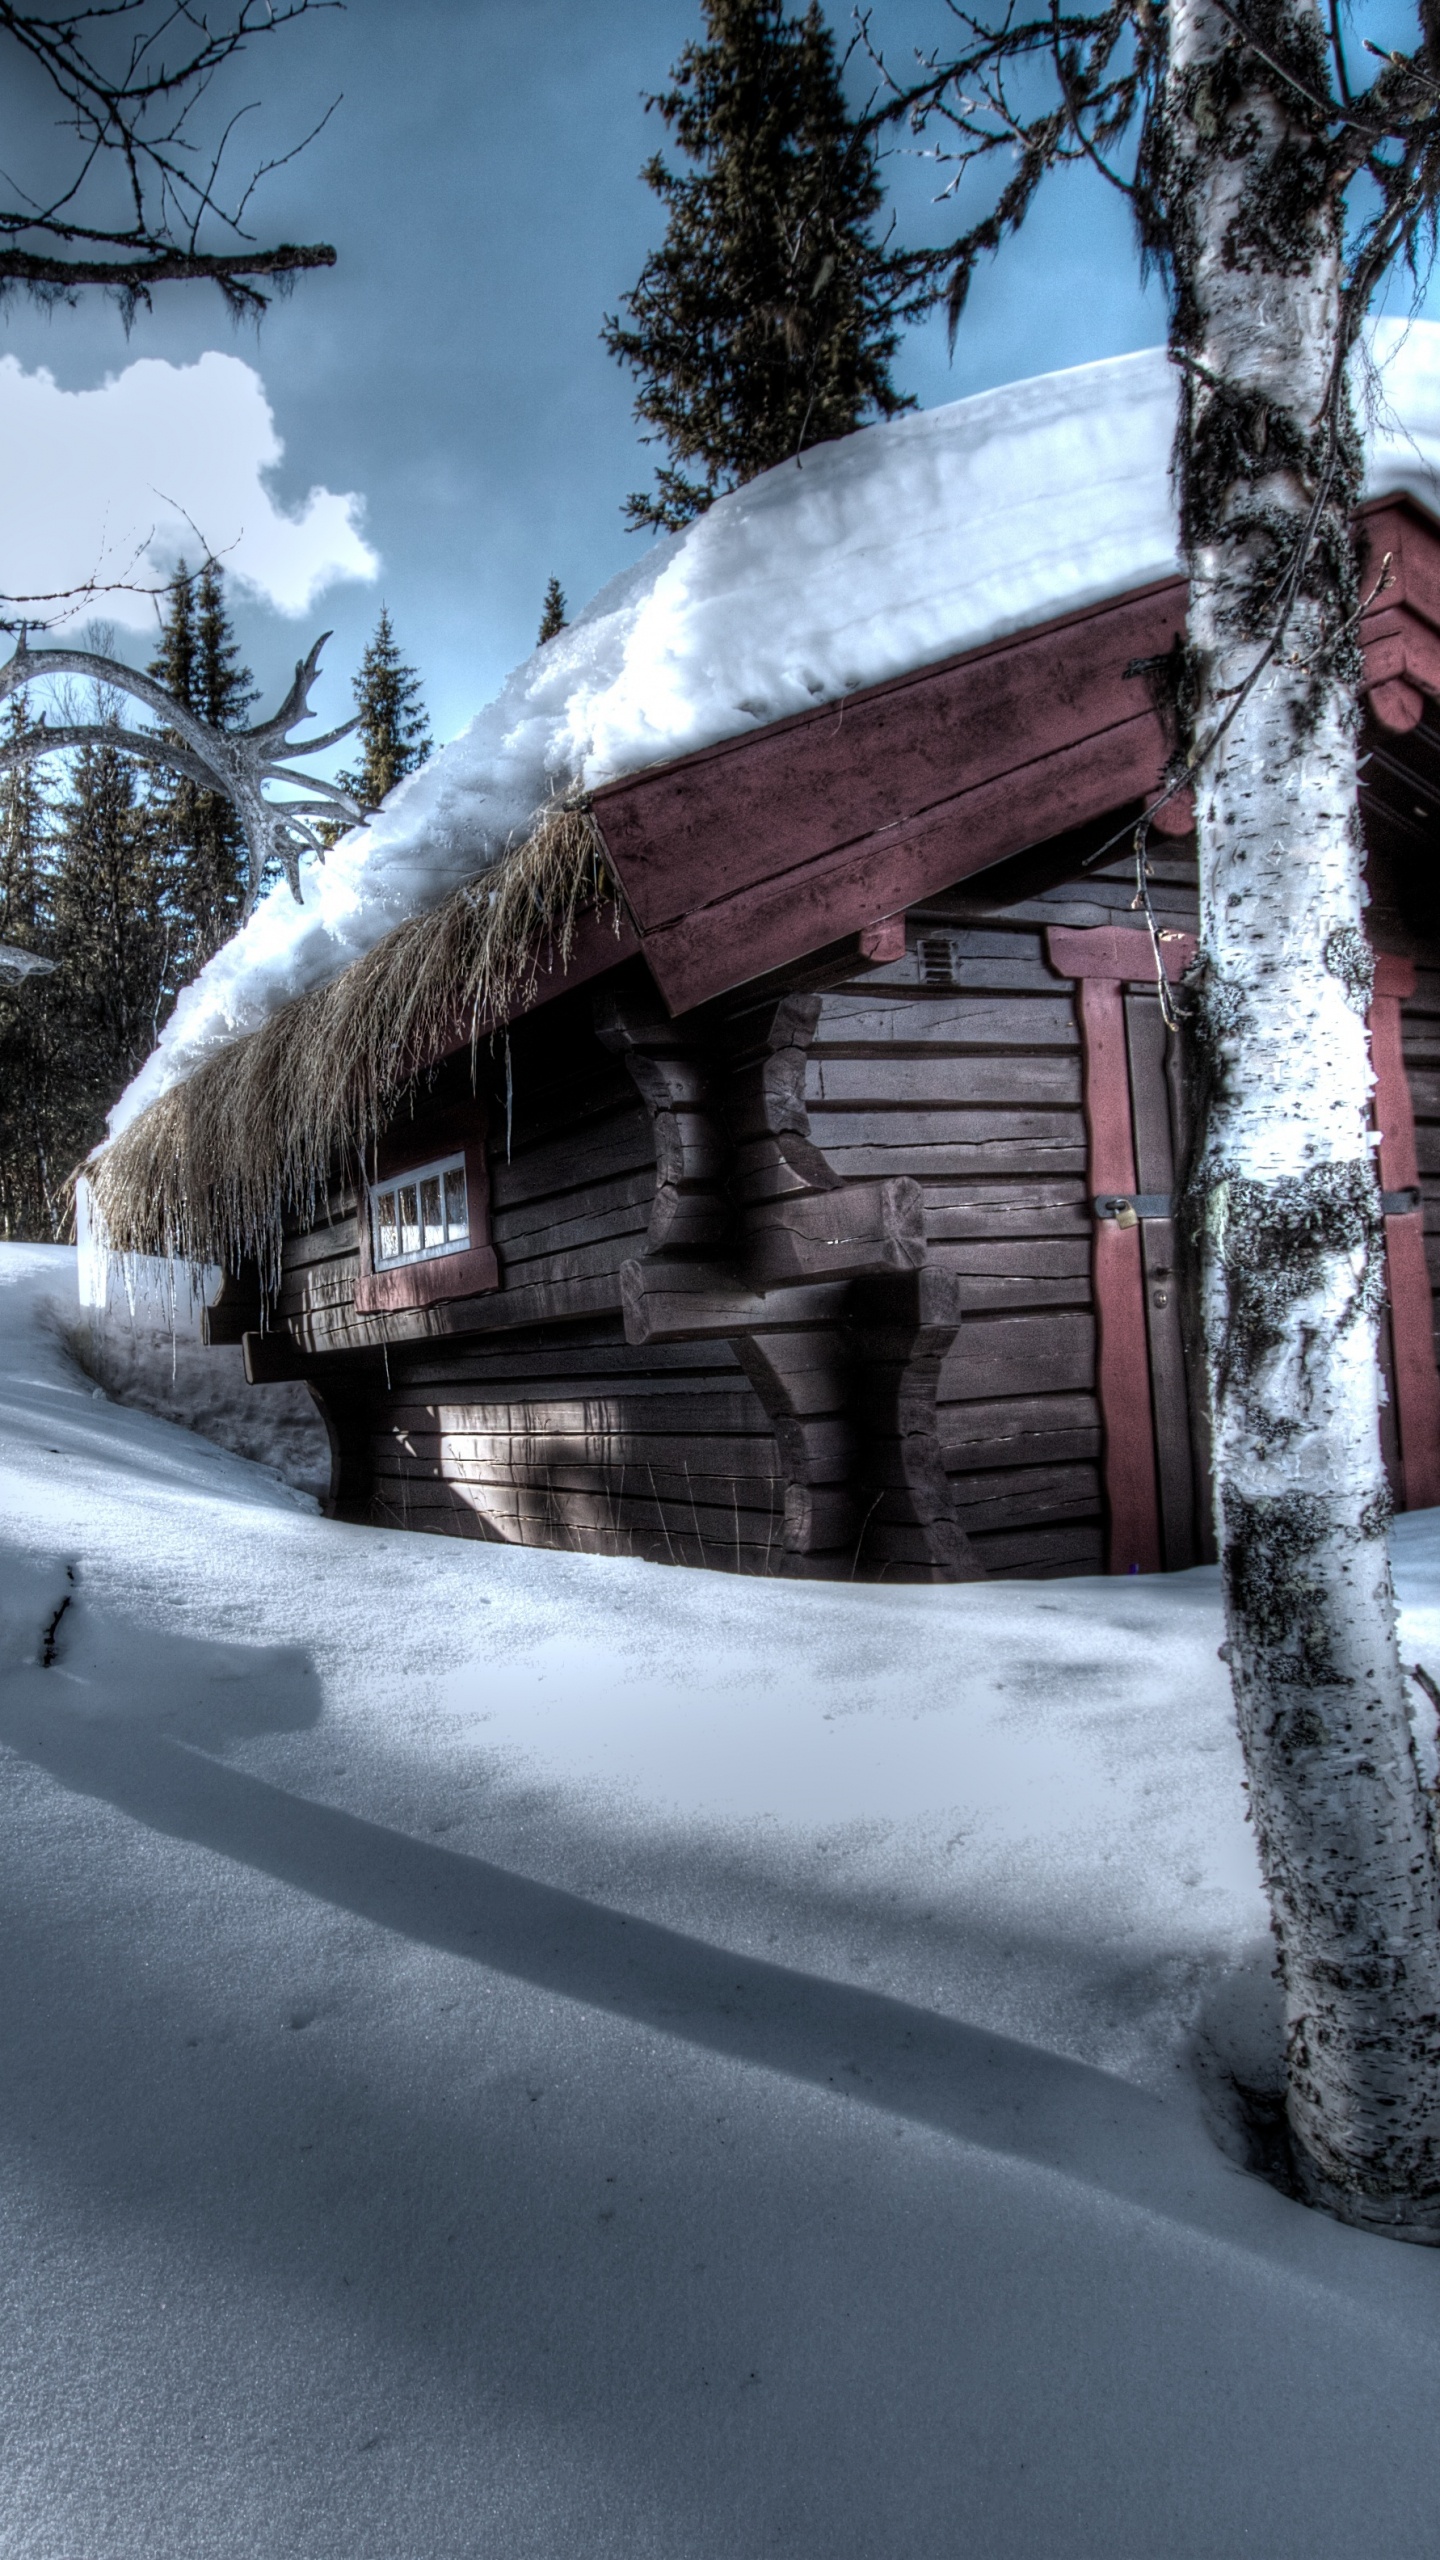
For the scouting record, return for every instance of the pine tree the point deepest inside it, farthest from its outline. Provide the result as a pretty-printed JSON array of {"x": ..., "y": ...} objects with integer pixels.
[
  {"x": 552, "y": 614},
  {"x": 199, "y": 663},
  {"x": 29, "y": 1205},
  {"x": 22, "y": 832},
  {"x": 112, "y": 935},
  {"x": 394, "y": 732},
  {"x": 767, "y": 320}
]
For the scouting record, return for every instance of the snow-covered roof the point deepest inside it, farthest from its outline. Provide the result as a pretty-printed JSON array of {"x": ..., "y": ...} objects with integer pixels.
[{"x": 886, "y": 551}]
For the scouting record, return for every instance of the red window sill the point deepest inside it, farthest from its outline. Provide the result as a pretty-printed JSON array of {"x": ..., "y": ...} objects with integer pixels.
[{"x": 427, "y": 1284}]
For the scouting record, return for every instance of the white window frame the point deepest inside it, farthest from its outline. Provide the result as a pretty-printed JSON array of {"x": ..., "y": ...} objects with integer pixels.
[{"x": 453, "y": 1240}]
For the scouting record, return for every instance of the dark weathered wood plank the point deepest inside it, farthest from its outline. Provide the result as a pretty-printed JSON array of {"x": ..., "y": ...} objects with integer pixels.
[
  {"x": 1064, "y": 1549},
  {"x": 732, "y": 1442},
  {"x": 505, "y": 1311},
  {"x": 1012, "y": 1258},
  {"x": 1424, "y": 1091},
  {"x": 1015, "y": 1418},
  {"x": 998, "y": 1211},
  {"x": 1027, "y": 1497},
  {"x": 619, "y": 1144},
  {"x": 602, "y": 1208},
  {"x": 567, "y": 1365},
  {"x": 325, "y": 1288},
  {"x": 1020, "y": 1449},
  {"x": 926, "y": 1021},
  {"x": 945, "y": 1126},
  {"x": 890, "y": 1079},
  {"x": 550, "y": 1269},
  {"x": 326, "y": 1242},
  {"x": 1058, "y": 1152},
  {"x": 712, "y": 1525},
  {"x": 1020, "y": 1355},
  {"x": 993, "y": 1291},
  {"x": 595, "y": 1495}
]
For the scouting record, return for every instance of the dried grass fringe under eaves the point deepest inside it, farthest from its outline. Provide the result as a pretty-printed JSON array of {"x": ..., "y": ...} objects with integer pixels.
[{"x": 210, "y": 1171}]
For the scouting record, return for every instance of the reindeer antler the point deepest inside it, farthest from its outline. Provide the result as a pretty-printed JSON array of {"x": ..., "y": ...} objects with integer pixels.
[{"x": 235, "y": 762}]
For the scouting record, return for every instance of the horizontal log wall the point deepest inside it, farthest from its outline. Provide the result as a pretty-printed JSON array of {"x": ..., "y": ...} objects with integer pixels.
[
  {"x": 961, "y": 1066},
  {"x": 557, "y": 1434},
  {"x": 574, "y": 1441}
]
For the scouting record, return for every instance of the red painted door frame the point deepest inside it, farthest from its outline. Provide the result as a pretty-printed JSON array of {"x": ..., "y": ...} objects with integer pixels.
[
  {"x": 1103, "y": 960},
  {"x": 1412, "y": 1318}
]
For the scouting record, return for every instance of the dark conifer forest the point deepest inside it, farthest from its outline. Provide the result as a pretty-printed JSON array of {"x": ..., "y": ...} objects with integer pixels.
[{"x": 128, "y": 879}]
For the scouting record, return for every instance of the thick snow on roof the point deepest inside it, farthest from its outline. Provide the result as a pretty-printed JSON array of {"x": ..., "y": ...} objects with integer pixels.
[{"x": 888, "y": 550}]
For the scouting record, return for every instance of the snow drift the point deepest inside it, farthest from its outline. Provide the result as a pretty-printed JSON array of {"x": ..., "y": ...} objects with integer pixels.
[{"x": 511, "y": 2054}]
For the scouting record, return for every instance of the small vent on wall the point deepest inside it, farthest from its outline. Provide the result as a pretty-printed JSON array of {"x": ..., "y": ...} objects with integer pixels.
[{"x": 936, "y": 955}]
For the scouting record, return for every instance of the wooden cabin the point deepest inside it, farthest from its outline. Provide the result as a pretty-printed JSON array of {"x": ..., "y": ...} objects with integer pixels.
[{"x": 816, "y": 1219}]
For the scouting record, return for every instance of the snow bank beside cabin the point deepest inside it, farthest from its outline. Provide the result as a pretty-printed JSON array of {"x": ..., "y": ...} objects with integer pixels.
[
  {"x": 885, "y": 551},
  {"x": 514, "y": 2054}
]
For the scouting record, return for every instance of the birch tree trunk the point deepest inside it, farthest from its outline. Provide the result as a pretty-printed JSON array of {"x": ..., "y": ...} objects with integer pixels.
[{"x": 1293, "y": 1250}]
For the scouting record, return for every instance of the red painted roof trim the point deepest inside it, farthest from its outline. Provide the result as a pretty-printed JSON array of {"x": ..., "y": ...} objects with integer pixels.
[{"x": 750, "y": 854}]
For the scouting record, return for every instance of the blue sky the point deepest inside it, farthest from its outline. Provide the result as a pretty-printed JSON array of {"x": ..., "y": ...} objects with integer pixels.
[{"x": 480, "y": 182}]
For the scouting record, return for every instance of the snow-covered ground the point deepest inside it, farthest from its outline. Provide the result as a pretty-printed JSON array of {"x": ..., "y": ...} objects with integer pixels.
[
  {"x": 137, "y": 1335},
  {"x": 512, "y": 2054},
  {"x": 881, "y": 552}
]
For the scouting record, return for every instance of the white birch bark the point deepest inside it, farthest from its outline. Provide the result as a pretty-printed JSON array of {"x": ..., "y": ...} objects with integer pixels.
[{"x": 1292, "y": 1248}]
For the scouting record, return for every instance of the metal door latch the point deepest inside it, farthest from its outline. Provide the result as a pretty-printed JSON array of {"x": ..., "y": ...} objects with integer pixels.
[
  {"x": 1398, "y": 1204},
  {"x": 1128, "y": 1207}
]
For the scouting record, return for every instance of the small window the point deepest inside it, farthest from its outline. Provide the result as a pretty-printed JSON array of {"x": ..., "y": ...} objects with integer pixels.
[{"x": 421, "y": 1214}]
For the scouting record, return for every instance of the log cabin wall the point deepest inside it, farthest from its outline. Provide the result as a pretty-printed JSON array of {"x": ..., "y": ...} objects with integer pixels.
[
  {"x": 538, "y": 1424},
  {"x": 591, "y": 1404},
  {"x": 961, "y": 1065},
  {"x": 567, "y": 1437},
  {"x": 811, "y": 1278}
]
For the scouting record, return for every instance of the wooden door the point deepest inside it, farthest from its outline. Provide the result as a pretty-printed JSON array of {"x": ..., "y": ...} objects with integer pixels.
[
  {"x": 1156, "y": 1514},
  {"x": 1155, "y": 1462},
  {"x": 1413, "y": 1440}
]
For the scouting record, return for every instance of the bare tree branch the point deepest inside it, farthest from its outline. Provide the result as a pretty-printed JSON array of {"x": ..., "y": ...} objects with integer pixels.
[{"x": 133, "y": 79}]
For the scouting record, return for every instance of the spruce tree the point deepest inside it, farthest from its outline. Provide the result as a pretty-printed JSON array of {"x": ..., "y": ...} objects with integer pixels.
[
  {"x": 29, "y": 1203},
  {"x": 113, "y": 937},
  {"x": 394, "y": 732},
  {"x": 199, "y": 662},
  {"x": 768, "y": 318},
  {"x": 552, "y": 613}
]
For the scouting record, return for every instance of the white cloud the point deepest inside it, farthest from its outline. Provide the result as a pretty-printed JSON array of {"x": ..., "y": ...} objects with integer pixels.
[{"x": 117, "y": 483}]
